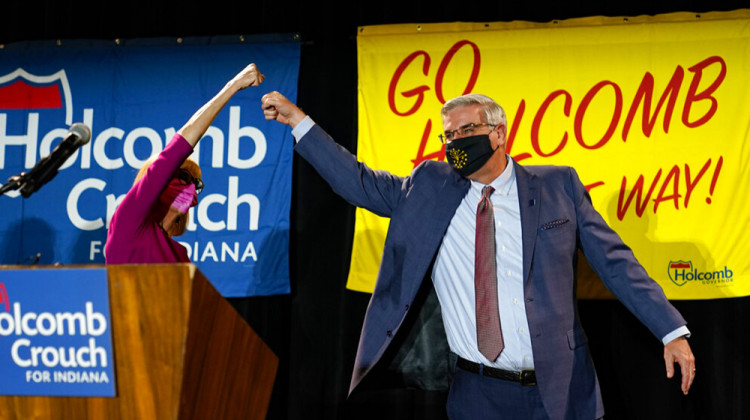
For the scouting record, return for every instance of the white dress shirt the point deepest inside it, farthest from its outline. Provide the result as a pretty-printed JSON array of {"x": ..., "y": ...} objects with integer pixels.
[{"x": 453, "y": 276}]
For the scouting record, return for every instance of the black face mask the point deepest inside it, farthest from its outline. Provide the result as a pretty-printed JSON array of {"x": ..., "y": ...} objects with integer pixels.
[{"x": 468, "y": 154}]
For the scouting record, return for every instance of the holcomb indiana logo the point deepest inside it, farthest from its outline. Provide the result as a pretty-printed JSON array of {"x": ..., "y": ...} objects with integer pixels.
[{"x": 681, "y": 272}]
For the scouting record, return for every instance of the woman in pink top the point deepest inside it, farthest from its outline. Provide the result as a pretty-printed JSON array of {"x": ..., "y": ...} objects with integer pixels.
[{"x": 156, "y": 207}]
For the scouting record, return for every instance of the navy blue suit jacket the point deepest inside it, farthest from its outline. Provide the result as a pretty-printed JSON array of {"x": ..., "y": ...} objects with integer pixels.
[{"x": 556, "y": 217}]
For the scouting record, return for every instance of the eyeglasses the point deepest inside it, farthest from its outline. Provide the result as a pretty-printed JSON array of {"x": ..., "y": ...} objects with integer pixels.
[
  {"x": 464, "y": 130},
  {"x": 186, "y": 178}
]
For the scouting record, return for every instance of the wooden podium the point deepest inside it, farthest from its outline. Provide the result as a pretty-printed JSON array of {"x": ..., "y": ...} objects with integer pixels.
[{"x": 181, "y": 352}]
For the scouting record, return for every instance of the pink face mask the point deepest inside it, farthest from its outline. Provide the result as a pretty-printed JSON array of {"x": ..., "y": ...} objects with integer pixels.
[{"x": 179, "y": 196}]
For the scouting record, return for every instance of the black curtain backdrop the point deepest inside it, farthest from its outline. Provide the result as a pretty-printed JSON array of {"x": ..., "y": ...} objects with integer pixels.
[{"x": 315, "y": 329}]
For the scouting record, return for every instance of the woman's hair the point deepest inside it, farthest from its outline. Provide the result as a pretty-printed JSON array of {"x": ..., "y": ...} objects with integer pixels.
[
  {"x": 181, "y": 223},
  {"x": 188, "y": 164}
]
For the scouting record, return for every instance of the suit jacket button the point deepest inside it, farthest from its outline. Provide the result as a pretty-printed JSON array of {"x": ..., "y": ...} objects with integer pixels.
[{"x": 389, "y": 333}]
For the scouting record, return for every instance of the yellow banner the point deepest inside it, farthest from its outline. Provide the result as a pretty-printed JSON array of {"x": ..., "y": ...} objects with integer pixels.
[{"x": 652, "y": 111}]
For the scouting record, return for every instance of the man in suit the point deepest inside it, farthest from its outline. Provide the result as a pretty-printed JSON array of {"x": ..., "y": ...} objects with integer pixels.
[{"x": 533, "y": 362}]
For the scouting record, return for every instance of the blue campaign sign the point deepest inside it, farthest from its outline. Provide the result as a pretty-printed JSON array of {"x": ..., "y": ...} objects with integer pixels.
[
  {"x": 134, "y": 95},
  {"x": 55, "y": 335}
]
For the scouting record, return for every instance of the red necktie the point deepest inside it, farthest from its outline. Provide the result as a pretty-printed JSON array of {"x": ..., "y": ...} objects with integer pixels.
[{"x": 489, "y": 335}]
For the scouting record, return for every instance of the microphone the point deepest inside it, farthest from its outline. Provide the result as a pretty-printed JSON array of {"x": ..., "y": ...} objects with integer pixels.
[{"x": 46, "y": 169}]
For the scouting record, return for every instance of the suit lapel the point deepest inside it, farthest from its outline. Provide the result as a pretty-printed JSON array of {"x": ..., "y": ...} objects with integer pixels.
[
  {"x": 529, "y": 204},
  {"x": 453, "y": 190},
  {"x": 438, "y": 215}
]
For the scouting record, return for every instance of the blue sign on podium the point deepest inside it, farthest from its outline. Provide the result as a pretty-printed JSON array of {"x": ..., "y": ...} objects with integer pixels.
[{"x": 55, "y": 333}]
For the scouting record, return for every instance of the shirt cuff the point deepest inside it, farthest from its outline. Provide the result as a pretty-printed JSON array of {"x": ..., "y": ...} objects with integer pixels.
[
  {"x": 679, "y": 332},
  {"x": 302, "y": 128}
]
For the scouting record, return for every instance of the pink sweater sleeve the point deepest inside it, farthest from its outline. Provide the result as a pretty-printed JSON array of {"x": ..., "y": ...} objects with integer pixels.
[{"x": 136, "y": 206}]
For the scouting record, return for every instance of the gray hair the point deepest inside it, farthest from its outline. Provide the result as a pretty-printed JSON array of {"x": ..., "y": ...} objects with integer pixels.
[{"x": 493, "y": 113}]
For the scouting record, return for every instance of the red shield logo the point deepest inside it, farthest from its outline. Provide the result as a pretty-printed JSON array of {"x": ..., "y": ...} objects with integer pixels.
[{"x": 21, "y": 90}]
